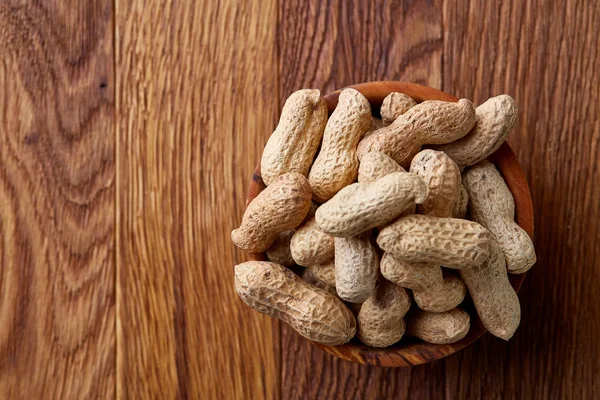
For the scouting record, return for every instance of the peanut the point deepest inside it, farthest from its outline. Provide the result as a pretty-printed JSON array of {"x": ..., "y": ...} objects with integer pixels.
[
  {"x": 442, "y": 176},
  {"x": 280, "y": 207},
  {"x": 494, "y": 120},
  {"x": 431, "y": 122},
  {"x": 381, "y": 317},
  {"x": 439, "y": 328},
  {"x": 462, "y": 205},
  {"x": 362, "y": 206},
  {"x": 356, "y": 267},
  {"x": 280, "y": 252},
  {"x": 376, "y": 124},
  {"x": 276, "y": 291},
  {"x": 495, "y": 299},
  {"x": 394, "y": 105},
  {"x": 416, "y": 276},
  {"x": 324, "y": 272},
  {"x": 431, "y": 290},
  {"x": 294, "y": 143},
  {"x": 442, "y": 297},
  {"x": 492, "y": 205},
  {"x": 310, "y": 246},
  {"x": 376, "y": 165},
  {"x": 454, "y": 243},
  {"x": 309, "y": 277},
  {"x": 336, "y": 165}
]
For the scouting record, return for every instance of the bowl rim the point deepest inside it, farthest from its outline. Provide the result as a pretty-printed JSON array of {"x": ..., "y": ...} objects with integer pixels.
[{"x": 417, "y": 352}]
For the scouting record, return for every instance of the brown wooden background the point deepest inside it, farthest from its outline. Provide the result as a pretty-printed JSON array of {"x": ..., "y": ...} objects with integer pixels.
[{"x": 128, "y": 135}]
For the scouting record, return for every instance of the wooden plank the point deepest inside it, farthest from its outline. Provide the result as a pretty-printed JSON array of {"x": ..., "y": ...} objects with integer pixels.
[
  {"x": 197, "y": 94},
  {"x": 57, "y": 298},
  {"x": 330, "y": 46},
  {"x": 545, "y": 54},
  {"x": 333, "y": 44}
]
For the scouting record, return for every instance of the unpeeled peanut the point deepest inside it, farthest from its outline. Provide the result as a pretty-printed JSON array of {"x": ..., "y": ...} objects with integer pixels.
[
  {"x": 280, "y": 252},
  {"x": 294, "y": 143},
  {"x": 416, "y": 276},
  {"x": 492, "y": 205},
  {"x": 376, "y": 165},
  {"x": 495, "y": 299},
  {"x": 439, "y": 328},
  {"x": 276, "y": 291},
  {"x": 432, "y": 291},
  {"x": 280, "y": 207},
  {"x": 462, "y": 205},
  {"x": 431, "y": 122},
  {"x": 394, "y": 105},
  {"x": 494, "y": 120},
  {"x": 443, "y": 179},
  {"x": 451, "y": 242},
  {"x": 324, "y": 272},
  {"x": 442, "y": 176},
  {"x": 376, "y": 124},
  {"x": 362, "y": 206},
  {"x": 336, "y": 165},
  {"x": 381, "y": 317},
  {"x": 309, "y": 277},
  {"x": 310, "y": 246},
  {"x": 356, "y": 267},
  {"x": 442, "y": 297}
]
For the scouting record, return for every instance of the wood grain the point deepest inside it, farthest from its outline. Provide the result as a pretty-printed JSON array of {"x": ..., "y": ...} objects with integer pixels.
[
  {"x": 545, "y": 54},
  {"x": 328, "y": 47},
  {"x": 57, "y": 147},
  {"x": 196, "y": 88},
  {"x": 197, "y": 91},
  {"x": 331, "y": 44}
]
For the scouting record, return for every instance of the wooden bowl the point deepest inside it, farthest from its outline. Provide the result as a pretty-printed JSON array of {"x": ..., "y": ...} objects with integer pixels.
[{"x": 412, "y": 351}]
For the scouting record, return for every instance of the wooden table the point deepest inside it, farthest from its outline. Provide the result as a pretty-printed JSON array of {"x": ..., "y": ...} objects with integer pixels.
[{"x": 128, "y": 134}]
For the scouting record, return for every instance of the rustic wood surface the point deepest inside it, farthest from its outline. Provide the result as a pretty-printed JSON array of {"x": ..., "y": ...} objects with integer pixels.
[
  {"x": 195, "y": 108},
  {"x": 57, "y": 200},
  {"x": 128, "y": 135}
]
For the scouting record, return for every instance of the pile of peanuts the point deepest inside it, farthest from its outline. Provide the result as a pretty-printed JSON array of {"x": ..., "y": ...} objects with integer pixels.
[{"x": 378, "y": 222}]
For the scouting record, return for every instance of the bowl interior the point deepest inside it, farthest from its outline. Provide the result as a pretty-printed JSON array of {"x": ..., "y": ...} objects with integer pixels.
[{"x": 411, "y": 351}]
